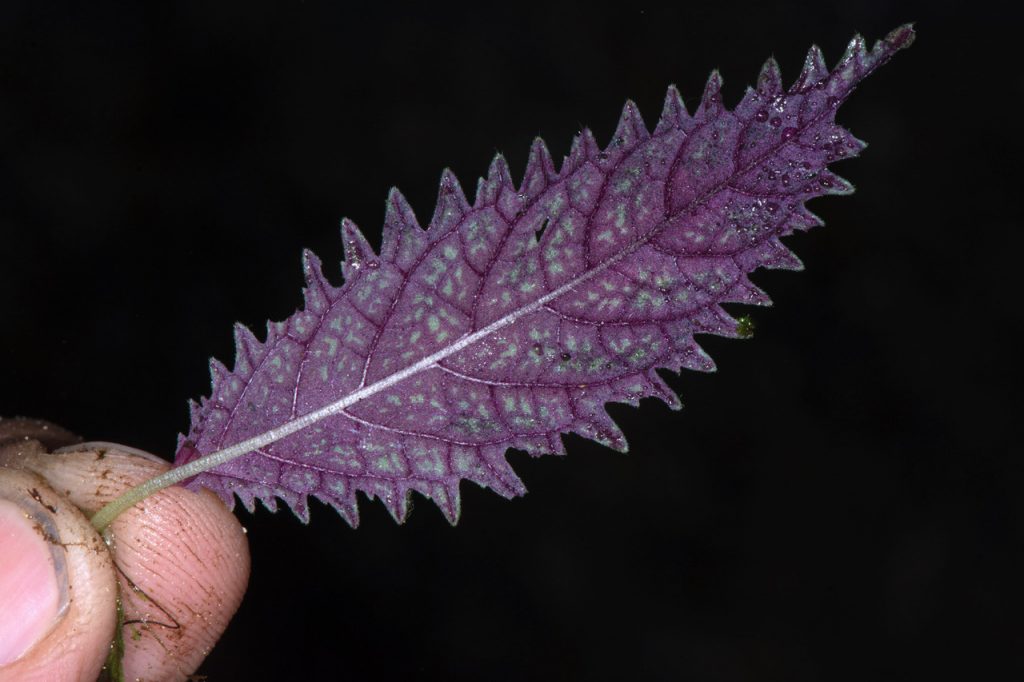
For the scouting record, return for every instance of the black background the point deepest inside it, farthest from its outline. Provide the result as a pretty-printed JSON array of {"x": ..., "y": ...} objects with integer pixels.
[{"x": 840, "y": 501}]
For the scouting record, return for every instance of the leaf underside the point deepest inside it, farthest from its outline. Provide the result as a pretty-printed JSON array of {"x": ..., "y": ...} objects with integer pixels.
[{"x": 512, "y": 320}]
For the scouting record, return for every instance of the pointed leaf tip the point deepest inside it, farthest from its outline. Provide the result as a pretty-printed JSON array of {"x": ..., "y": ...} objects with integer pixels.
[
  {"x": 712, "y": 96},
  {"x": 246, "y": 346},
  {"x": 769, "y": 82},
  {"x": 814, "y": 69},
  {"x": 310, "y": 261},
  {"x": 901, "y": 37},
  {"x": 451, "y": 189},
  {"x": 589, "y": 145},
  {"x": 631, "y": 128},
  {"x": 398, "y": 213},
  {"x": 540, "y": 170},
  {"x": 856, "y": 47},
  {"x": 357, "y": 250},
  {"x": 673, "y": 111},
  {"x": 498, "y": 180},
  {"x": 312, "y": 270},
  {"x": 451, "y": 203}
]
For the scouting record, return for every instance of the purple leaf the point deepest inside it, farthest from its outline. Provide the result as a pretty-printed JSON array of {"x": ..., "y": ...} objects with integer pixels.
[{"x": 512, "y": 320}]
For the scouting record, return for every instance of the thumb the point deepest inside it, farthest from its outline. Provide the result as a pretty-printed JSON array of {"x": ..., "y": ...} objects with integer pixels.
[{"x": 57, "y": 585}]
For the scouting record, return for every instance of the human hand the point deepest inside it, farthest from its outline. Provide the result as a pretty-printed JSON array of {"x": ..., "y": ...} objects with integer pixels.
[{"x": 179, "y": 561}]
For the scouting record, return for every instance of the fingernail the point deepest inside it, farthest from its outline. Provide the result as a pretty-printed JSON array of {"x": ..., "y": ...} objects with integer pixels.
[
  {"x": 33, "y": 576},
  {"x": 102, "y": 445}
]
